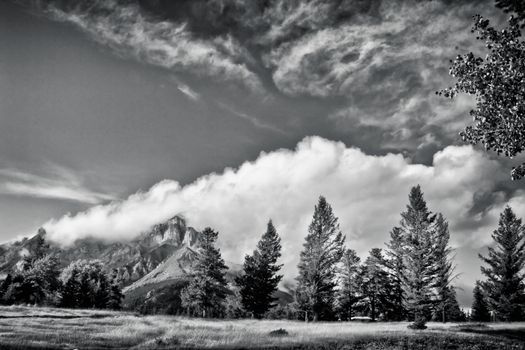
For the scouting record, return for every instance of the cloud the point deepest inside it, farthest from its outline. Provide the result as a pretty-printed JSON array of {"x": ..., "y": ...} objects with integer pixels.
[
  {"x": 250, "y": 118},
  {"x": 189, "y": 92},
  {"x": 367, "y": 194},
  {"x": 59, "y": 183},
  {"x": 130, "y": 31},
  {"x": 400, "y": 42}
]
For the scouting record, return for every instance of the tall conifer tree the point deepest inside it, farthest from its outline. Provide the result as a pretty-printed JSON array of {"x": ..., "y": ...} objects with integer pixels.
[
  {"x": 323, "y": 249},
  {"x": 207, "y": 290},
  {"x": 506, "y": 263},
  {"x": 259, "y": 281},
  {"x": 417, "y": 226}
]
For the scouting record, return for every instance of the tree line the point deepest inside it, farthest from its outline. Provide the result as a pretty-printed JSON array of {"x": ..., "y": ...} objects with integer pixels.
[
  {"x": 411, "y": 279},
  {"x": 38, "y": 280}
]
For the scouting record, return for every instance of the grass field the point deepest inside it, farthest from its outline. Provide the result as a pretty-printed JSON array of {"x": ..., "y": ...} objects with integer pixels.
[{"x": 48, "y": 328}]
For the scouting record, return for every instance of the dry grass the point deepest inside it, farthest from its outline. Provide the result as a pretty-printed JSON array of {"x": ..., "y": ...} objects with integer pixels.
[{"x": 42, "y": 328}]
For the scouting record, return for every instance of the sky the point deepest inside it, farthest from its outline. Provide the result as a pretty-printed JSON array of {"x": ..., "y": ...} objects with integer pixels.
[{"x": 117, "y": 115}]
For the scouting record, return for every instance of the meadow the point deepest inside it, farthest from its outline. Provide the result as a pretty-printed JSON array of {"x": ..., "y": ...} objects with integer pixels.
[{"x": 51, "y": 328}]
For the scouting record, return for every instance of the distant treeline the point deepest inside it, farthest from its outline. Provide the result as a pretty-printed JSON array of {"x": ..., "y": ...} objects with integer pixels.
[{"x": 38, "y": 280}]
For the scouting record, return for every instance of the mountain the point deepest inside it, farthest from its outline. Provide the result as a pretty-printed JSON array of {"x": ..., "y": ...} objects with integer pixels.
[
  {"x": 129, "y": 260},
  {"x": 152, "y": 268}
]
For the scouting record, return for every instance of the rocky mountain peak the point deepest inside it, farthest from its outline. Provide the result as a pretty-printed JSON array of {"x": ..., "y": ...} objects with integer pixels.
[{"x": 174, "y": 232}]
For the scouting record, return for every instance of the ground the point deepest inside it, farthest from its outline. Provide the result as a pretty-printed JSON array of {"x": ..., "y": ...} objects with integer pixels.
[{"x": 50, "y": 328}]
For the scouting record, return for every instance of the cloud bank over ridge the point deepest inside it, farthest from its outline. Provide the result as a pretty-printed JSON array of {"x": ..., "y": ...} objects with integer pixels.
[{"x": 367, "y": 194}]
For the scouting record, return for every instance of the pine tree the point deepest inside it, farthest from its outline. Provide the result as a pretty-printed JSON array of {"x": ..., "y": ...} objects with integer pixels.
[
  {"x": 206, "y": 292},
  {"x": 418, "y": 259},
  {"x": 375, "y": 284},
  {"x": 394, "y": 264},
  {"x": 259, "y": 281},
  {"x": 102, "y": 292},
  {"x": 480, "y": 309},
  {"x": 444, "y": 268},
  {"x": 115, "y": 296},
  {"x": 323, "y": 249},
  {"x": 349, "y": 289},
  {"x": 71, "y": 292},
  {"x": 506, "y": 262}
]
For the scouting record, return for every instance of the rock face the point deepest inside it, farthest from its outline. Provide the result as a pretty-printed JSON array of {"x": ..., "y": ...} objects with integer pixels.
[{"x": 129, "y": 260}]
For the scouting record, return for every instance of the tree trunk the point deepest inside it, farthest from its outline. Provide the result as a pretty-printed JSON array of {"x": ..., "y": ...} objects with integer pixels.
[
  {"x": 373, "y": 306},
  {"x": 443, "y": 315}
]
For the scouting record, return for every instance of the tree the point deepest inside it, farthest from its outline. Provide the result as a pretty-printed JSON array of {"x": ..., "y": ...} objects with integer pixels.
[
  {"x": 71, "y": 292},
  {"x": 394, "y": 264},
  {"x": 375, "y": 284},
  {"x": 444, "y": 269},
  {"x": 323, "y": 249},
  {"x": 496, "y": 81},
  {"x": 349, "y": 292},
  {"x": 417, "y": 227},
  {"x": 233, "y": 306},
  {"x": 515, "y": 6},
  {"x": 506, "y": 262},
  {"x": 259, "y": 281},
  {"x": 85, "y": 285},
  {"x": 115, "y": 295},
  {"x": 206, "y": 292},
  {"x": 4, "y": 286},
  {"x": 449, "y": 311},
  {"x": 480, "y": 309}
]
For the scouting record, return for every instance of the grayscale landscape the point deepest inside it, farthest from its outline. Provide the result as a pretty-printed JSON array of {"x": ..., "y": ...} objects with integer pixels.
[{"x": 274, "y": 174}]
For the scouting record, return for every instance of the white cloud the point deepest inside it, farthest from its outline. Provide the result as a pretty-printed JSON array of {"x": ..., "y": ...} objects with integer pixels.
[
  {"x": 130, "y": 32},
  {"x": 367, "y": 194},
  {"x": 189, "y": 92},
  {"x": 364, "y": 53},
  {"x": 58, "y": 183}
]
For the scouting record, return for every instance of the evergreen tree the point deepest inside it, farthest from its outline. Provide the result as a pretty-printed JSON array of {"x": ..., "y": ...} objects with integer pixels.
[
  {"x": 260, "y": 279},
  {"x": 102, "y": 292},
  {"x": 506, "y": 262},
  {"x": 71, "y": 292},
  {"x": 444, "y": 269},
  {"x": 323, "y": 249},
  {"x": 207, "y": 290},
  {"x": 115, "y": 297},
  {"x": 452, "y": 312},
  {"x": 395, "y": 266},
  {"x": 417, "y": 225},
  {"x": 4, "y": 286},
  {"x": 480, "y": 309},
  {"x": 349, "y": 292},
  {"x": 375, "y": 285}
]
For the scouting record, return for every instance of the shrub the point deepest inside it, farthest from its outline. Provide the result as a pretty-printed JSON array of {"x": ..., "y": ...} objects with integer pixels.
[{"x": 278, "y": 333}]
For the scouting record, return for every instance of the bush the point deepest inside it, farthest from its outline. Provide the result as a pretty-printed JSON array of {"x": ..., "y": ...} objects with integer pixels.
[{"x": 278, "y": 333}]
